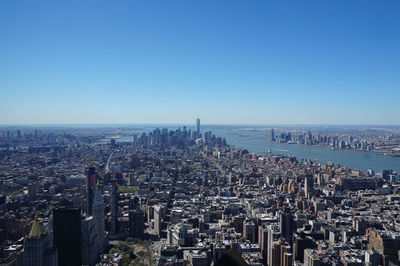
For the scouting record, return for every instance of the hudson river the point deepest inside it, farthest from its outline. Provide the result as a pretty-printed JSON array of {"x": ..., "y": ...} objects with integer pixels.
[{"x": 260, "y": 142}]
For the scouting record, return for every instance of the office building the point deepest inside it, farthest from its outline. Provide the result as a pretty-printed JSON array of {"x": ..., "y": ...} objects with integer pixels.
[
  {"x": 90, "y": 186},
  {"x": 249, "y": 230},
  {"x": 286, "y": 224},
  {"x": 387, "y": 244},
  {"x": 157, "y": 219},
  {"x": 67, "y": 235},
  {"x": 114, "y": 207},
  {"x": 309, "y": 186},
  {"x": 90, "y": 242},
  {"x": 196, "y": 257},
  {"x": 98, "y": 216},
  {"x": 301, "y": 243},
  {"x": 38, "y": 250},
  {"x": 311, "y": 257},
  {"x": 276, "y": 252},
  {"x": 136, "y": 223},
  {"x": 273, "y": 235},
  {"x": 198, "y": 127}
]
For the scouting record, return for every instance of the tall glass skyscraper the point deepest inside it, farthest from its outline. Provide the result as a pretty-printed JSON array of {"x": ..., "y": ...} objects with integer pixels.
[{"x": 198, "y": 126}]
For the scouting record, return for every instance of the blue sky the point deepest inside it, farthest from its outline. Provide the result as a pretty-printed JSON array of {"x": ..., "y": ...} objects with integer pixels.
[{"x": 231, "y": 62}]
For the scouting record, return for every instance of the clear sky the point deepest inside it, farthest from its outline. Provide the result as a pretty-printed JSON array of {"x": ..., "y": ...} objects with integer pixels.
[{"x": 240, "y": 62}]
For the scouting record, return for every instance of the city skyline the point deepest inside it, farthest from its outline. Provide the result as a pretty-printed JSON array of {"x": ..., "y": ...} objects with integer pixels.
[
  {"x": 231, "y": 62},
  {"x": 83, "y": 196},
  {"x": 199, "y": 133}
]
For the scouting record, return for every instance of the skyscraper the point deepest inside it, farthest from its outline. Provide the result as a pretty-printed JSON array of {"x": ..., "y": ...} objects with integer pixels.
[
  {"x": 114, "y": 206},
  {"x": 249, "y": 230},
  {"x": 38, "y": 249},
  {"x": 198, "y": 127},
  {"x": 276, "y": 252},
  {"x": 90, "y": 243},
  {"x": 90, "y": 186},
  {"x": 157, "y": 219},
  {"x": 272, "y": 135},
  {"x": 300, "y": 243},
  {"x": 98, "y": 215},
  {"x": 287, "y": 225},
  {"x": 67, "y": 235},
  {"x": 136, "y": 223},
  {"x": 263, "y": 241},
  {"x": 309, "y": 186},
  {"x": 273, "y": 235}
]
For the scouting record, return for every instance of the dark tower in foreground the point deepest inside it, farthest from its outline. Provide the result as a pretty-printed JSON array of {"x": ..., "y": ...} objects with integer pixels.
[{"x": 67, "y": 235}]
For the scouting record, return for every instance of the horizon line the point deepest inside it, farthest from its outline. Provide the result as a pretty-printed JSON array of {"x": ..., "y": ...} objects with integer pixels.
[{"x": 185, "y": 124}]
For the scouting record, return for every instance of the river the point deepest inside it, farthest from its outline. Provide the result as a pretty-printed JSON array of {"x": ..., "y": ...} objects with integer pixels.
[{"x": 260, "y": 142}]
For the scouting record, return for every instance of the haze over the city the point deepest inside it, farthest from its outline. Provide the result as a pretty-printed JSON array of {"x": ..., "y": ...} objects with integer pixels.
[{"x": 231, "y": 62}]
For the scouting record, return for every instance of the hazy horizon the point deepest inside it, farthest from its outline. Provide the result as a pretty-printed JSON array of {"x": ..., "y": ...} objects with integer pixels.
[{"x": 193, "y": 125}]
